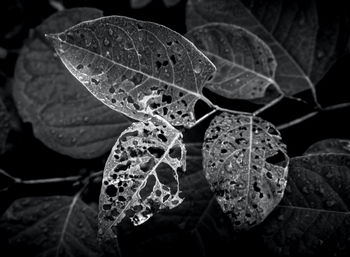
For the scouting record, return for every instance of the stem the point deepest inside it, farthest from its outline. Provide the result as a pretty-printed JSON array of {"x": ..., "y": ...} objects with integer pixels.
[
  {"x": 204, "y": 117},
  {"x": 49, "y": 180},
  {"x": 218, "y": 108},
  {"x": 312, "y": 114},
  {"x": 269, "y": 105}
]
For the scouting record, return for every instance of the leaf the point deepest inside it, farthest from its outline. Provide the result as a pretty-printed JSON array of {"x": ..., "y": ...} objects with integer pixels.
[
  {"x": 313, "y": 218},
  {"x": 245, "y": 64},
  {"x": 136, "y": 4},
  {"x": 306, "y": 37},
  {"x": 198, "y": 224},
  {"x": 137, "y": 68},
  {"x": 5, "y": 126},
  {"x": 51, "y": 226},
  {"x": 141, "y": 175},
  {"x": 242, "y": 162},
  {"x": 331, "y": 145},
  {"x": 64, "y": 116}
]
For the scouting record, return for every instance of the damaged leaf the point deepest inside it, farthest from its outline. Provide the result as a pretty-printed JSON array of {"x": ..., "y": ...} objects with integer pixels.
[
  {"x": 64, "y": 116},
  {"x": 313, "y": 219},
  {"x": 305, "y": 36},
  {"x": 138, "y": 68},
  {"x": 141, "y": 175},
  {"x": 331, "y": 145},
  {"x": 246, "y": 165},
  {"x": 245, "y": 64},
  {"x": 50, "y": 226}
]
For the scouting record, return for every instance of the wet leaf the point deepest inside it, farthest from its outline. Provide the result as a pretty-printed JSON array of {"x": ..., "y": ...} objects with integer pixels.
[
  {"x": 141, "y": 175},
  {"x": 305, "y": 37},
  {"x": 313, "y": 218},
  {"x": 330, "y": 145},
  {"x": 137, "y": 68},
  {"x": 5, "y": 126},
  {"x": 246, "y": 165},
  {"x": 245, "y": 64},
  {"x": 51, "y": 226},
  {"x": 64, "y": 116}
]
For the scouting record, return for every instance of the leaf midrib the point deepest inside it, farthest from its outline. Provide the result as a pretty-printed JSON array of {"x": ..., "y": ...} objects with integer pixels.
[{"x": 197, "y": 94}]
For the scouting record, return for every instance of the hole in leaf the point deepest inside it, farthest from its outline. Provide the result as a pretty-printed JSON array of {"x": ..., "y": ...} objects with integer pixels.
[
  {"x": 148, "y": 189},
  {"x": 156, "y": 151},
  {"x": 166, "y": 176},
  {"x": 278, "y": 159},
  {"x": 111, "y": 191},
  {"x": 175, "y": 152},
  {"x": 147, "y": 166}
]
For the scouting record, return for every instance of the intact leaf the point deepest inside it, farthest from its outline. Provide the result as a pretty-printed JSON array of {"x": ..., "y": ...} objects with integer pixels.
[
  {"x": 138, "y": 68},
  {"x": 246, "y": 165},
  {"x": 4, "y": 126},
  {"x": 313, "y": 218},
  {"x": 136, "y": 4},
  {"x": 245, "y": 64},
  {"x": 50, "y": 226},
  {"x": 306, "y": 37},
  {"x": 64, "y": 116},
  {"x": 331, "y": 145},
  {"x": 141, "y": 175}
]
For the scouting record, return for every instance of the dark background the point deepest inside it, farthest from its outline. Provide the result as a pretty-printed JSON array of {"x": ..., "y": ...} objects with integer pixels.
[{"x": 29, "y": 158}]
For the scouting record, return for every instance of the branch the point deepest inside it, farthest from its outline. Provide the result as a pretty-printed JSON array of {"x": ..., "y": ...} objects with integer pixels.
[
  {"x": 312, "y": 114},
  {"x": 48, "y": 180}
]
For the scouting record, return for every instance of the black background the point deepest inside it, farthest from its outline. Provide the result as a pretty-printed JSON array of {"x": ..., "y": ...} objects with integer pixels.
[{"x": 29, "y": 158}]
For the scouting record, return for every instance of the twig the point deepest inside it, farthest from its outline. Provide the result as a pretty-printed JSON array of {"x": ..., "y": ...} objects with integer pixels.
[
  {"x": 204, "y": 117},
  {"x": 47, "y": 180},
  {"x": 269, "y": 105},
  {"x": 312, "y": 114}
]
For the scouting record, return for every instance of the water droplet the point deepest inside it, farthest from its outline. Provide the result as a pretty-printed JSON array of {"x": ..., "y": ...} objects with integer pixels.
[
  {"x": 100, "y": 231},
  {"x": 119, "y": 38},
  {"x": 329, "y": 174},
  {"x": 237, "y": 81},
  {"x": 320, "y": 54},
  {"x": 106, "y": 42},
  {"x": 280, "y": 217},
  {"x": 330, "y": 203},
  {"x": 86, "y": 118},
  {"x": 197, "y": 69},
  {"x": 305, "y": 190},
  {"x": 60, "y": 136},
  {"x": 73, "y": 140},
  {"x": 110, "y": 32}
]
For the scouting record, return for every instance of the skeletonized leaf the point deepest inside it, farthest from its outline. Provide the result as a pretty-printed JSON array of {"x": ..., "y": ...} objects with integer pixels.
[
  {"x": 51, "y": 226},
  {"x": 4, "y": 126},
  {"x": 64, "y": 116},
  {"x": 313, "y": 218},
  {"x": 136, "y": 4},
  {"x": 306, "y": 37},
  {"x": 135, "y": 67},
  {"x": 246, "y": 165},
  {"x": 331, "y": 145},
  {"x": 141, "y": 175},
  {"x": 198, "y": 224},
  {"x": 245, "y": 64}
]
